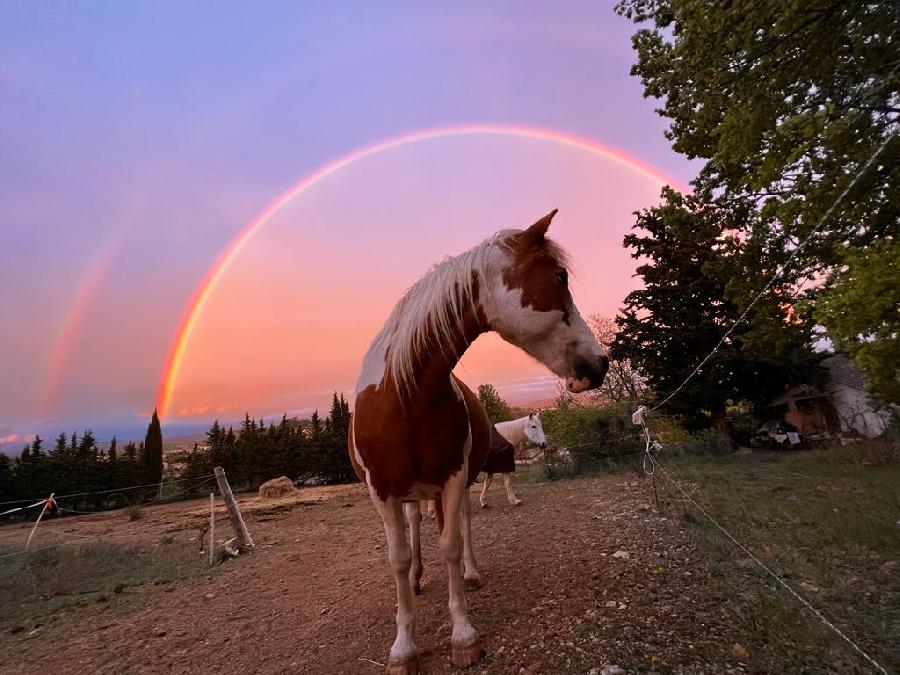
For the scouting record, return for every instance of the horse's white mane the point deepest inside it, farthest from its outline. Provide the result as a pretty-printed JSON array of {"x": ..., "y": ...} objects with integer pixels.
[{"x": 432, "y": 310}]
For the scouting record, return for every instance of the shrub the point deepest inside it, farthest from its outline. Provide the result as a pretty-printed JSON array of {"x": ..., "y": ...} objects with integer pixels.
[
  {"x": 593, "y": 435},
  {"x": 134, "y": 513},
  {"x": 706, "y": 442}
]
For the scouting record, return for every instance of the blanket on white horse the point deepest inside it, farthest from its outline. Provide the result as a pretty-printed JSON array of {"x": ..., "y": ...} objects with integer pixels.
[{"x": 502, "y": 455}]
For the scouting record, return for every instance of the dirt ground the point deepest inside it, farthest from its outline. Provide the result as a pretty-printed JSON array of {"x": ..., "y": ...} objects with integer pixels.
[{"x": 584, "y": 575}]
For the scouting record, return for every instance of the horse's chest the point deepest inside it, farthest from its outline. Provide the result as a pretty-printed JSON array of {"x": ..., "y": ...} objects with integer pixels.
[{"x": 409, "y": 453}]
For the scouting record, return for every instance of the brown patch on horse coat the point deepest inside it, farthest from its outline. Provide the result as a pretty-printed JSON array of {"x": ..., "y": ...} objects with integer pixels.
[
  {"x": 536, "y": 271},
  {"x": 402, "y": 442}
]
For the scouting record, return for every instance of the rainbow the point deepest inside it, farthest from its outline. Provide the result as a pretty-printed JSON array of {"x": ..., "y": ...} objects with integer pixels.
[
  {"x": 73, "y": 321},
  {"x": 215, "y": 273}
]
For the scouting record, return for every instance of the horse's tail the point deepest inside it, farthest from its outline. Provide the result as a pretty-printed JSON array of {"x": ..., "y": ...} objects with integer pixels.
[{"x": 439, "y": 514}]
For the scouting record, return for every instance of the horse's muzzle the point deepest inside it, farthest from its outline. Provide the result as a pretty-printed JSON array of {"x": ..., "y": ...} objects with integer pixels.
[{"x": 588, "y": 374}]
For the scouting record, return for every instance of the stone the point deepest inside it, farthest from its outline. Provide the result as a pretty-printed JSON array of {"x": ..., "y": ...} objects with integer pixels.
[{"x": 739, "y": 652}]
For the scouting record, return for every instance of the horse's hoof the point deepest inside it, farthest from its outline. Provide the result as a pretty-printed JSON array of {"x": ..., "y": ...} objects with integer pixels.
[
  {"x": 517, "y": 502},
  {"x": 472, "y": 583},
  {"x": 463, "y": 657},
  {"x": 483, "y": 505},
  {"x": 411, "y": 667}
]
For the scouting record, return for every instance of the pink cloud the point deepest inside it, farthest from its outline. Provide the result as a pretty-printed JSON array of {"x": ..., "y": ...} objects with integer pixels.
[{"x": 16, "y": 438}]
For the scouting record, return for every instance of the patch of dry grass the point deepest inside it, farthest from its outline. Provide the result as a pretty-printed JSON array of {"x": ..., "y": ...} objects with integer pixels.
[{"x": 42, "y": 581}]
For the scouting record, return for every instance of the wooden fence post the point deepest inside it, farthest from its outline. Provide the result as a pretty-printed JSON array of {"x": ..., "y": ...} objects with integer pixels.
[
  {"x": 37, "y": 522},
  {"x": 212, "y": 529},
  {"x": 244, "y": 544}
]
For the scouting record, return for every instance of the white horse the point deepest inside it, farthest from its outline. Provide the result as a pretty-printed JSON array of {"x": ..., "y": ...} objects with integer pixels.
[{"x": 518, "y": 433}]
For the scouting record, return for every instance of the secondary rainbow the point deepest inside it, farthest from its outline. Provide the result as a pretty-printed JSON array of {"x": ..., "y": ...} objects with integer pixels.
[
  {"x": 215, "y": 273},
  {"x": 73, "y": 321}
]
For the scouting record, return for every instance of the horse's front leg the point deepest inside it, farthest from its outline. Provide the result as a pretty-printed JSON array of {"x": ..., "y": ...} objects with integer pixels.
[
  {"x": 403, "y": 658},
  {"x": 413, "y": 513},
  {"x": 510, "y": 495},
  {"x": 470, "y": 568},
  {"x": 465, "y": 649}
]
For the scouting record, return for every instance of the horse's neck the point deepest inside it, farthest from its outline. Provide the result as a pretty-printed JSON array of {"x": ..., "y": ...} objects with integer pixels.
[
  {"x": 513, "y": 431},
  {"x": 432, "y": 369}
]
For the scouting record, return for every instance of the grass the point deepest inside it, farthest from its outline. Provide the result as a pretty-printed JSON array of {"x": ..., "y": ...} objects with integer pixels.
[
  {"x": 37, "y": 584},
  {"x": 828, "y": 522}
]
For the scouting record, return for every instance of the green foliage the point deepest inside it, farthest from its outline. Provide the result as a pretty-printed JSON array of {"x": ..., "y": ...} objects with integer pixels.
[
  {"x": 786, "y": 100},
  {"x": 570, "y": 426},
  {"x": 592, "y": 434},
  {"x": 313, "y": 450},
  {"x": 859, "y": 309},
  {"x": 72, "y": 465},
  {"x": 689, "y": 256},
  {"x": 497, "y": 409}
]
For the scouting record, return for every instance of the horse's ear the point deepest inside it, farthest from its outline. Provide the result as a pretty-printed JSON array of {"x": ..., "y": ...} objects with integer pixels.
[
  {"x": 534, "y": 235},
  {"x": 531, "y": 416}
]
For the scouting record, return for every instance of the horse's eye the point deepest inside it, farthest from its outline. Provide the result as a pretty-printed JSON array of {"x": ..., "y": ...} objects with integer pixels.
[{"x": 562, "y": 277}]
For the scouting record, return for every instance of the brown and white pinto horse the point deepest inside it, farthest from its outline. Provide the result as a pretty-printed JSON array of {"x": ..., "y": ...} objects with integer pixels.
[{"x": 419, "y": 433}]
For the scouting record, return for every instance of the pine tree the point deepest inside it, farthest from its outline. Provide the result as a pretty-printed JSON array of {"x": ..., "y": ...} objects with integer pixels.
[
  {"x": 60, "y": 449},
  {"x": 37, "y": 448},
  {"x": 131, "y": 453},
  {"x": 683, "y": 309}
]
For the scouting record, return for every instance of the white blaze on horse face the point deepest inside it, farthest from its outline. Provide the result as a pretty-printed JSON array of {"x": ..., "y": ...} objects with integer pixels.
[{"x": 546, "y": 336}]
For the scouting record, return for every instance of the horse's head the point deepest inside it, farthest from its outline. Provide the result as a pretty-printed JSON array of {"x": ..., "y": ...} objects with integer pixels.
[
  {"x": 528, "y": 302},
  {"x": 534, "y": 431}
]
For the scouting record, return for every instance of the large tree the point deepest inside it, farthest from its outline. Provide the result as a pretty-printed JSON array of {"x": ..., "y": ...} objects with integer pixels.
[
  {"x": 786, "y": 100},
  {"x": 688, "y": 253},
  {"x": 861, "y": 306},
  {"x": 789, "y": 102}
]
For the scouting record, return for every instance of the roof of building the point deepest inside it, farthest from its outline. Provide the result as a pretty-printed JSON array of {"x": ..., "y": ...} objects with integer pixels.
[
  {"x": 797, "y": 393},
  {"x": 841, "y": 371}
]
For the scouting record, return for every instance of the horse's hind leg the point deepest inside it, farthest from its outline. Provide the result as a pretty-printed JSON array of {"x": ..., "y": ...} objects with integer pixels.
[
  {"x": 464, "y": 638},
  {"x": 470, "y": 569},
  {"x": 413, "y": 513},
  {"x": 482, "y": 499},
  {"x": 403, "y": 659}
]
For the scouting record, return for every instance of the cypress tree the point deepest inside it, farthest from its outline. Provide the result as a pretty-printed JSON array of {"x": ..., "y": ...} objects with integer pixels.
[{"x": 153, "y": 451}]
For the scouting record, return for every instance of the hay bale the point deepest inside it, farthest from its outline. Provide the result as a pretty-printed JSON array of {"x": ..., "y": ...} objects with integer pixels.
[{"x": 277, "y": 487}]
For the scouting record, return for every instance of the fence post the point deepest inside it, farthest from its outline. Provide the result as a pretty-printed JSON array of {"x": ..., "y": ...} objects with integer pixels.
[
  {"x": 244, "y": 542},
  {"x": 212, "y": 528},
  {"x": 37, "y": 522}
]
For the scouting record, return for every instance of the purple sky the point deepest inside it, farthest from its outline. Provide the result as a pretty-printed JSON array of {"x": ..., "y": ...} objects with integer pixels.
[{"x": 136, "y": 139}]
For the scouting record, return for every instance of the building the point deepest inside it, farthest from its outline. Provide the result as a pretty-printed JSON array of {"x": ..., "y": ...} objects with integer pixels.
[{"x": 846, "y": 387}]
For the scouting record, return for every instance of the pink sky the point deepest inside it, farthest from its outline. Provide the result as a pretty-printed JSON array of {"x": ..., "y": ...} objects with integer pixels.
[{"x": 291, "y": 319}]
